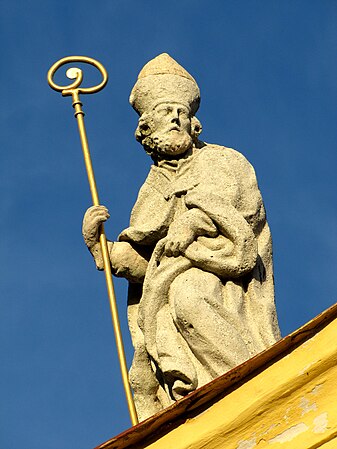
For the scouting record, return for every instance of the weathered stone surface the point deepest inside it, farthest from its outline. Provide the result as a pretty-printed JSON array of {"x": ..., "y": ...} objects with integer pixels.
[{"x": 198, "y": 251}]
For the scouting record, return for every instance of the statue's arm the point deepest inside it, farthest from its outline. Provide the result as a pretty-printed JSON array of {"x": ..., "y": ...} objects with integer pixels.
[
  {"x": 185, "y": 229},
  {"x": 126, "y": 260},
  {"x": 234, "y": 251}
]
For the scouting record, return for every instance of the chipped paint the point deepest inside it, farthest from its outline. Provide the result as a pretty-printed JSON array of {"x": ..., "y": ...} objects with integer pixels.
[
  {"x": 306, "y": 406},
  {"x": 247, "y": 444},
  {"x": 321, "y": 423},
  {"x": 306, "y": 368},
  {"x": 270, "y": 428},
  {"x": 316, "y": 389},
  {"x": 286, "y": 416},
  {"x": 289, "y": 434}
]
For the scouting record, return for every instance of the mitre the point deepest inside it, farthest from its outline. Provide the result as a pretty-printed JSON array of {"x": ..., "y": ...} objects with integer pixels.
[{"x": 164, "y": 80}]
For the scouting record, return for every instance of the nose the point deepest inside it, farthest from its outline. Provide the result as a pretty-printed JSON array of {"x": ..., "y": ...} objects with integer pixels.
[{"x": 175, "y": 116}]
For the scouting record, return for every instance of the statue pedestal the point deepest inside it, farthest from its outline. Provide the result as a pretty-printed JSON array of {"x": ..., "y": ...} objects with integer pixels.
[{"x": 283, "y": 397}]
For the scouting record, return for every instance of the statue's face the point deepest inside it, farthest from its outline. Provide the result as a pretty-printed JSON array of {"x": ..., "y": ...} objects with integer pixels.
[
  {"x": 171, "y": 117},
  {"x": 171, "y": 128}
]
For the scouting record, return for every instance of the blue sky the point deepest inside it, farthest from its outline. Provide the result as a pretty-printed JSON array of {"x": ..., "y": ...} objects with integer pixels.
[{"x": 268, "y": 76}]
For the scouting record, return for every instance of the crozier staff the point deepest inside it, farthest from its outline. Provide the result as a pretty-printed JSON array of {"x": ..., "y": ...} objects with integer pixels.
[
  {"x": 74, "y": 90},
  {"x": 198, "y": 251}
]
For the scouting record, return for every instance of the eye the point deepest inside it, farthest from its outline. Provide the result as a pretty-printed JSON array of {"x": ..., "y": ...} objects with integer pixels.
[
  {"x": 183, "y": 113},
  {"x": 163, "y": 111}
]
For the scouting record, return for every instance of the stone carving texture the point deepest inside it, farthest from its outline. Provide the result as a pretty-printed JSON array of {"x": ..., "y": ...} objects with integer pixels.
[{"x": 198, "y": 252}]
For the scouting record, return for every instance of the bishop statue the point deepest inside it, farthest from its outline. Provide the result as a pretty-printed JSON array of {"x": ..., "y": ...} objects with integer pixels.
[{"x": 197, "y": 253}]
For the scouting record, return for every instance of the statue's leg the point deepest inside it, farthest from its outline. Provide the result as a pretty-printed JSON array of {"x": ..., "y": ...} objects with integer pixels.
[
  {"x": 142, "y": 378},
  {"x": 197, "y": 307},
  {"x": 174, "y": 360}
]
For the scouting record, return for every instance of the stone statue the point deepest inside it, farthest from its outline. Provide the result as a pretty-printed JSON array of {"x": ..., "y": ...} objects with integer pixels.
[{"x": 197, "y": 254}]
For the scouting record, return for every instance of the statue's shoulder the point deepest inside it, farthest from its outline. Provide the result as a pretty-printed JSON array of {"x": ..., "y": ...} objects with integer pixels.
[{"x": 226, "y": 155}]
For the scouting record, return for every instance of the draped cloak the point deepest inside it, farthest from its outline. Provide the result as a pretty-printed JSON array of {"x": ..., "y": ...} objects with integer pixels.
[{"x": 215, "y": 190}]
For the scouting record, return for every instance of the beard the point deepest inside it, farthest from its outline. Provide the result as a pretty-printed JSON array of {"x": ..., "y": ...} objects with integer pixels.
[{"x": 170, "y": 143}]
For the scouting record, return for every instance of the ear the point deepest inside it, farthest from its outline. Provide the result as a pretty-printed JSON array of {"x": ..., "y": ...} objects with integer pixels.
[
  {"x": 196, "y": 127},
  {"x": 143, "y": 128}
]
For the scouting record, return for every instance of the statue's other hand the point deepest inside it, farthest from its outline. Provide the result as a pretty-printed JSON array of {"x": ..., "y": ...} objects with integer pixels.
[
  {"x": 177, "y": 242},
  {"x": 93, "y": 218}
]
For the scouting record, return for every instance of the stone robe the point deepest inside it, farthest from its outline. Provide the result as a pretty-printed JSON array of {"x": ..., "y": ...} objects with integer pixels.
[{"x": 195, "y": 316}]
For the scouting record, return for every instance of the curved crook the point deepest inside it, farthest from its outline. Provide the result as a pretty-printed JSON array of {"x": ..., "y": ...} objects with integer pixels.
[{"x": 77, "y": 74}]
